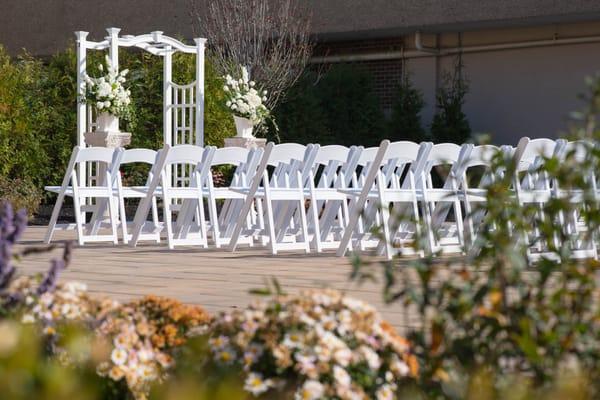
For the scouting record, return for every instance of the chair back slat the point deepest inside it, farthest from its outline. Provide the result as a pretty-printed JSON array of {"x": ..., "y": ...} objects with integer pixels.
[
  {"x": 146, "y": 156},
  {"x": 185, "y": 154},
  {"x": 95, "y": 154},
  {"x": 230, "y": 155}
]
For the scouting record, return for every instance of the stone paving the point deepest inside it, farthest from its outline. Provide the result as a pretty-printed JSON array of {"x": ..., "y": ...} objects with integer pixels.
[{"x": 214, "y": 278}]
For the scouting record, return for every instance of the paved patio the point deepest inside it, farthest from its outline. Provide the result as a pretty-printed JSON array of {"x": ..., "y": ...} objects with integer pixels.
[{"x": 215, "y": 279}]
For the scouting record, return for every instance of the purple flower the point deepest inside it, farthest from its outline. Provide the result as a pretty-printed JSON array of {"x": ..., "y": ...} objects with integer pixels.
[
  {"x": 11, "y": 228},
  {"x": 49, "y": 282}
]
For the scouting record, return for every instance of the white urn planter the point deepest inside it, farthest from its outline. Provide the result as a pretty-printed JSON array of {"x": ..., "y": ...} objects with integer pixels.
[
  {"x": 244, "y": 137},
  {"x": 106, "y": 122},
  {"x": 243, "y": 127},
  {"x": 107, "y": 133}
]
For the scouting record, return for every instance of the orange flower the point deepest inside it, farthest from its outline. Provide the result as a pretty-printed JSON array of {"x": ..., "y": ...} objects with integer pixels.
[
  {"x": 413, "y": 364},
  {"x": 158, "y": 341}
]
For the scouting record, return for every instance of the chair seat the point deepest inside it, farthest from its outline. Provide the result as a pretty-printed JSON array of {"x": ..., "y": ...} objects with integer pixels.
[
  {"x": 276, "y": 193},
  {"x": 439, "y": 194},
  {"x": 96, "y": 191},
  {"x": 326, "y": 194},
  {"x": 390, "y": 195},
  {"x": 134, "y": 191},
  {"x": 227, "y": 192},
  {"x": 535, "y": 196}
]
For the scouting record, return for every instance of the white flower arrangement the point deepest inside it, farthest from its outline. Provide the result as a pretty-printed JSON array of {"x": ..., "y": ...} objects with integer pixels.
[
  {"x": 107, "y": 92},
  {"x": 244, "y": 99}
]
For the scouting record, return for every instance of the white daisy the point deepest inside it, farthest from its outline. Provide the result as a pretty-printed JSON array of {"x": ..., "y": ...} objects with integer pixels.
[{"x": 256, "y": 385}]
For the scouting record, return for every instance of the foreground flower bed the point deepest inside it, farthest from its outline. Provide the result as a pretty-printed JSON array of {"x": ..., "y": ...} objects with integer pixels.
[{"x": 318, "y": 344}]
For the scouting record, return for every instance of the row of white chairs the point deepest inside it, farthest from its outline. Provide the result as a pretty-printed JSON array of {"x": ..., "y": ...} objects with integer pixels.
[{"x": 295, "y": 197}]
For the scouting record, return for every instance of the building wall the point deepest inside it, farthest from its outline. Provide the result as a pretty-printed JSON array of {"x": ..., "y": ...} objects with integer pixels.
[
  {"x": 520, "y": 92},
  {"x": 512, "y": 93},
  {"x": 386, "y": 74}
]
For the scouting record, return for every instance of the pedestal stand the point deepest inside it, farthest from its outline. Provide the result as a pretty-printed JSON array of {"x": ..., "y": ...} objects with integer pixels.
[{"x": 245, "y": 142}]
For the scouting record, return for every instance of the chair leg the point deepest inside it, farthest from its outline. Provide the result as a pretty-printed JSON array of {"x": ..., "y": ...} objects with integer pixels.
[
  {"x": 260, "y": 216},
  {"x": 112, "y": 210},
  {"x": 202, "y": 221},
  {"x": 79, "y": 220},
  {"x": 316, "y": 226},
  {"x": 270, "y": 224},
  {"x": 459, "y": 225},
  {"x": 123, "y": 217},
  {"x": 54, "y": 218},
  {"x": 168, "y": 221},
  {"x": 353, "y": 221},
  {"x": 155, "y": 220},
  {"x": 304, "y": 225},
  {"x": 214, "y": 219}
]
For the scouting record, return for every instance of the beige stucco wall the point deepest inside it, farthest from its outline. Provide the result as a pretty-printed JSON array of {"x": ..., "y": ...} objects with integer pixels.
[{"x": 521, "y": 92}]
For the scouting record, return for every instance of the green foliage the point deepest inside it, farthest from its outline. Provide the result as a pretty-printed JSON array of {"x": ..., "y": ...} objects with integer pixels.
[
  {"x": 38, "y": 109},
  {"x": 21, "y": 151},
  {"x": 21, "y": 193},
  {"x": 495, "y": 315},
  {"x": 339, "y": 107},
  {"x": 405, "y": 122},
  {"x": 56, "y": 117},
  {"x": 27, "y": 373},
  {"x": 450, "y": 123}
]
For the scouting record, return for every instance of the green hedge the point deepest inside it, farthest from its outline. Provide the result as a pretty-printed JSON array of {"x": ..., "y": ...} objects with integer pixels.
[
  {"x": 336, "y": 107},
  {"x": 38, "y": 110}
]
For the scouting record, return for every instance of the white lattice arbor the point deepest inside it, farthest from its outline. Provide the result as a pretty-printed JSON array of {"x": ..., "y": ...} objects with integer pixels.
[{"x": 183, "y": 104}]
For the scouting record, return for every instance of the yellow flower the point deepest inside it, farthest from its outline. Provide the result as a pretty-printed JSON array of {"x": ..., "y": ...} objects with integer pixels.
[
  {"x": 48, "y": 330},
  {"x": 226, "y": 356}
]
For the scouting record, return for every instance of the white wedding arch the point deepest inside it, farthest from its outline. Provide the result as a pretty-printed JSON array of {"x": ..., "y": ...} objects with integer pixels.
[{"x": 183, "y": 104}]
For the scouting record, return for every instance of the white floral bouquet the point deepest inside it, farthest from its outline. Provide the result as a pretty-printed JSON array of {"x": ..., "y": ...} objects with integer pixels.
[
  {"x": 107, "y": 92},
  {"x": 317, "y": 345},
  {"x": 244, "y": 99}
]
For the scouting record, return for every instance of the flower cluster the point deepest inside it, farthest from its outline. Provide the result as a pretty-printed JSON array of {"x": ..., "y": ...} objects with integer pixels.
[
  {"x": 107, "y": 92},
  {"x": 135, "y": 339},
  {"x": 244, "y": 100},
  {"x": 323, "y": 344},
  {"x": 143, "y": 334},
  {"x": 68, "y": 302}
]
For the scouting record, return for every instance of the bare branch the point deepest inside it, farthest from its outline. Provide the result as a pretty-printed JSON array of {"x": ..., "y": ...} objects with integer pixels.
[{"x": 270, "y": 38}]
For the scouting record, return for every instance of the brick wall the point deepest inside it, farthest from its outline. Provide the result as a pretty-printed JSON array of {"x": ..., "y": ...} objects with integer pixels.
[{"x": 386, "y": 74}]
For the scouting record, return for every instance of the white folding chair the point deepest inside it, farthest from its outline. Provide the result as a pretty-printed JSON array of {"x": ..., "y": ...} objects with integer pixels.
[
  {"x": 328, "y": 207},
  {"x": 281, "y": 196},
  {"x": 534, "y": 187},
  {"x": 391, "y": 183},
  {"x": 581, "y": 240},
  {"x": 190, "y": 225},
  {"x": 150, "y": 230},
  {"x": 108, "y": 161},
  {"x": 438, "y": 200},
  {"x": 249, "y": 193},
  {"x": 222, "y": 222},
  {"x": 364, "y": 229},
  {"x": 476, "y": 177}
]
